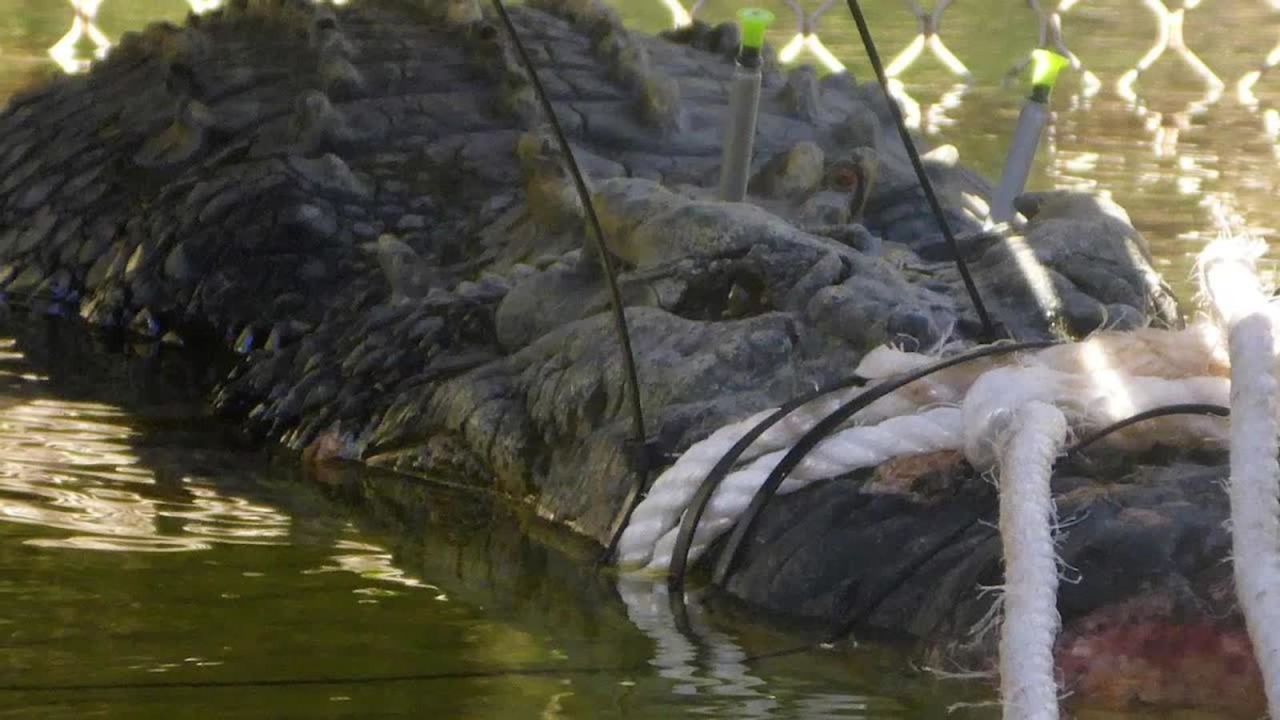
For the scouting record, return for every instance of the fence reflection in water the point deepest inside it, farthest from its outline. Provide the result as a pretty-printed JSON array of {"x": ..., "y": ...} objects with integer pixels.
[{"x": 84, "y": 42}]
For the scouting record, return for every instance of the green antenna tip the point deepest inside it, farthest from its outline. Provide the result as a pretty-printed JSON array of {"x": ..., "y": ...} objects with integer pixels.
[
  {"x": 754, "y": 22},
  {"x": 1045, "y": 66}
]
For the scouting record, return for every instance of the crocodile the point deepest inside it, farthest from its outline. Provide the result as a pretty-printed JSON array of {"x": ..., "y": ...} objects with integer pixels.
[{"x": 364, "y": 206}]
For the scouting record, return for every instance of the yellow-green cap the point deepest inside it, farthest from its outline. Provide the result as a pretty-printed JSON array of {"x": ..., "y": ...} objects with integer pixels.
[
  {"x": 1045, "y": 66},
  {"x": 754, "y": 22}
]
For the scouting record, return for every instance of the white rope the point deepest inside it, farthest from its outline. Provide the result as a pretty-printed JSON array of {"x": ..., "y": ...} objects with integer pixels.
[
  {"x": 1090, "y": 402},
  {"x": 1017, "y": 414},
  {"x": 1031, "y": 621},
  {"x": 1200, "y": 349},
  {"x": 1093, "y": 380},
  {"x": 1102, "y": 358},
  {"x": 1232, "y": 285},
  {"x": 672, "y": 491},
  {"x": 1255, "y": 508},
  {"x": 850, "y": 449}
]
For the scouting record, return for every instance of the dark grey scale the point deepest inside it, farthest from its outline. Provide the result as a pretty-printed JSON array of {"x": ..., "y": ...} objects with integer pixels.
[
  {"x": 698, "y": 34},
  {"x": 375, "y": 360},
  {"x": 41, "y": 229},
  {"x": 16, "y": 146},
  {"x": 354, "y": 357},
  {"x": 320, "y": 395},
  {"x": 26, "y": 282},
  {"x": 8, "y": 242},
  {"x": 145, "y": 324}
]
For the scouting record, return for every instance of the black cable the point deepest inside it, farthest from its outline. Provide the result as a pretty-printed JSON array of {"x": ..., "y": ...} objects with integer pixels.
[
  {"x": 301, "y": 681},
  {"x": 846, "y": 626},
  {"x": 534, "y": 671},
  {"x": 841, "y": 629},
  {"x": 1180, "y": 409},
  {"x": 987, "y": 327},
  {"x": 698, "y": 504},
  {"x": 724, "y": 564},
  {"x": 637, "y": 491}
]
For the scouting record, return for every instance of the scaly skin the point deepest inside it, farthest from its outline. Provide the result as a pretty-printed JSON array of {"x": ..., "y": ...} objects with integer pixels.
[{"x": 365, "y": 204}]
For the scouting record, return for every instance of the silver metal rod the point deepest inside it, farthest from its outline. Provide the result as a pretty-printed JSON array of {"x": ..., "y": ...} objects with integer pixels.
[
  {"x": 740, "y": 133},
  {"x": 1017, "y": 166}
]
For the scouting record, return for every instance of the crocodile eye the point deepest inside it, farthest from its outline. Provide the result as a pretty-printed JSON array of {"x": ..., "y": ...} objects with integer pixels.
[
  {"x": 737, "y": 301},
  {"x": 745, "y": 297}
]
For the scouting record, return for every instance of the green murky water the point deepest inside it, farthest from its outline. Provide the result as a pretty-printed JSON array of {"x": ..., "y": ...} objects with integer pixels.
[{"x": 149, "y": 571}]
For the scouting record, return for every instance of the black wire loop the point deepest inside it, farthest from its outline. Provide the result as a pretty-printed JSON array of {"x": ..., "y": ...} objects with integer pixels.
[
  {"x": 1178, "y": 409},
  {"x": 828, "y": 425},
  {"x": 698, "y": 504}
]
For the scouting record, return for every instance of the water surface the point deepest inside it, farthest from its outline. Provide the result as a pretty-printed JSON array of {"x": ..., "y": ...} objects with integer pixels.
[{"x": 150, "y": 570}]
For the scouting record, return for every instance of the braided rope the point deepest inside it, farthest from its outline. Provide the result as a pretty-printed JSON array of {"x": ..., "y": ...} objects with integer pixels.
[
  {"x": 1230, "y": 280},
  {"x": 1152, "y": 352},
  {"x": 843, "y": 452},
  {"x": 675, "y": 488},
  {"x": 1149, "y": 353},
  {"x": 1090, "y": 401},
  {"x": 1253, "y": 489},
  {"x": 1031, "y": 620}
]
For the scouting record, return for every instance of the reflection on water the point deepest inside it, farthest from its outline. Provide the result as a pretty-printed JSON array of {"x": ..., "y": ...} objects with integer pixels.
[
  {"x": 374, "y": 563},
  {"x": 151, "y": 572},
  {"x": 67, "y": 465},
  {"x": 717, "y": 667}
]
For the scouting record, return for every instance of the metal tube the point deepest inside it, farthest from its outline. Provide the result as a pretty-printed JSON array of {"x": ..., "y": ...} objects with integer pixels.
[
  {"x": 1046, "y": 65},
  {"x": 740, "y": 133},
  {"x": 1017, "y": 166},
  {"x": 744, "y": 103}
]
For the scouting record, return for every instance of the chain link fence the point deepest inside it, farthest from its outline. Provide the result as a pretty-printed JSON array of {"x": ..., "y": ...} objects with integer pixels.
[{"x": 74, "y": 54}]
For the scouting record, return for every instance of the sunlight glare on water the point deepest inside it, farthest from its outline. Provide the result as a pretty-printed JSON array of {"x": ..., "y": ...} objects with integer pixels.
[
  {"x": 67, "y": 465},
  {"x": 149, "y": 571}
]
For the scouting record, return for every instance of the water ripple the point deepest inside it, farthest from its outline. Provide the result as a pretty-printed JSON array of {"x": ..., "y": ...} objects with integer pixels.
[
  {"x": 716, "y": 669},
  {"x": 69, "y": 465}
]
